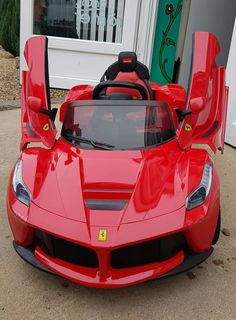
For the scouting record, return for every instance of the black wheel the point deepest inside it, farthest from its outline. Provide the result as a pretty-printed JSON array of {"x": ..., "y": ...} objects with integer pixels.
[{"x": 217, "y": 232}]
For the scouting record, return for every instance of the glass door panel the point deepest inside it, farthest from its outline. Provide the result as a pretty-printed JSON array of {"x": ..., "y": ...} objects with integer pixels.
[{"x": 95, "y": 20}]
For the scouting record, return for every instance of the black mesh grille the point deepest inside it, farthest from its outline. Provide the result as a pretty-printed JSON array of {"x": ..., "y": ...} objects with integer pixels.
[
  {"x": 157, "y": 250},
  {"x": 144, "y": 253},
  {"x": 66, "y": 251}
]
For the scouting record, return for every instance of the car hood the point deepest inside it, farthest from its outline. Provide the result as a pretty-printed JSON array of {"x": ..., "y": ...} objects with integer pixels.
[{"x": 120, "y": 186}]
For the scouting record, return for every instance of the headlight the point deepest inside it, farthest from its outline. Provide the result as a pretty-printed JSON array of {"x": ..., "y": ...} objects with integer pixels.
[
  {"x": 21, "y": 191},
  {"x": 198, "y": 196}
]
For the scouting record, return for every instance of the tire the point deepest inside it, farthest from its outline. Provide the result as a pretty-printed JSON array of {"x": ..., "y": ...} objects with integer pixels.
[{"x": 217, "y": 232}]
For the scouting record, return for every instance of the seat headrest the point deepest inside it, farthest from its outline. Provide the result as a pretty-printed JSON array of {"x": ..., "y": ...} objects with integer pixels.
[{"x": 127, "y": 62}]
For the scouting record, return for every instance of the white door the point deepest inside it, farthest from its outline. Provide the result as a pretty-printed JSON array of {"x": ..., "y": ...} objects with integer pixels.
[
  {"x": 231, "y": 82},
  {"x": 85, "y": 36}
]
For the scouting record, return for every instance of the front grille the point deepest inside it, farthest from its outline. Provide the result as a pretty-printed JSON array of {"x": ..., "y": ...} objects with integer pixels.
[
  {"x": 144, "y": 253},
  {"x": 66, "y": 250},
  {"x": 157, "y": 250}
]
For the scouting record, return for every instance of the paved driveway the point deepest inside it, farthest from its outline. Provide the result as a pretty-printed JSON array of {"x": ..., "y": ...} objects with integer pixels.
[{"x": 26, "y": 293}]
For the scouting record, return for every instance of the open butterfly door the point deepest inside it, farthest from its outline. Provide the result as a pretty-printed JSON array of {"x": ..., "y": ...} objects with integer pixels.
[
  {"x": 37, "y": 118},
  {"x": 207, "y": 99}
]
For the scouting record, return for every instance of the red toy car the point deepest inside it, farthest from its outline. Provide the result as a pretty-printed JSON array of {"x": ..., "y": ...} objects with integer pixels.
[{"x": 121, "y": 197}]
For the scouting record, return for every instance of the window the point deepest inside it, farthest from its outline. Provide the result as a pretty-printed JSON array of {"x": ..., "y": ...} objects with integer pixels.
[
  {"x": 94, "y": 20},
  {"x": 118, "y": 125}
]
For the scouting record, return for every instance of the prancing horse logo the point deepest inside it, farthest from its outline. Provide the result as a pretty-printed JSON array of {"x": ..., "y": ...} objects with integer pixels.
[{"x": 102, "y": 235}]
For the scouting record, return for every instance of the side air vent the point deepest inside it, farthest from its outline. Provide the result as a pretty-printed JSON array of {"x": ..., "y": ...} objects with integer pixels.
[
  {"x": 106, "y": 205},
  {"x": 65, "y": 250},
  {"x": 157, "y": 250}
]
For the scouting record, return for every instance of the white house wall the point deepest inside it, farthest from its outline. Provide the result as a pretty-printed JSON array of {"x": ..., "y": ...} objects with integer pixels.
[{"x": 75, "y": 61}]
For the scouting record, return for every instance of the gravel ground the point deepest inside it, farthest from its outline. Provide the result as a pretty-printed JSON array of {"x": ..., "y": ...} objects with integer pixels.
[
  {"x": 9, "y": 77},
  {"x": 207, "y": 292},
  {"x": 9, "y": 80}
]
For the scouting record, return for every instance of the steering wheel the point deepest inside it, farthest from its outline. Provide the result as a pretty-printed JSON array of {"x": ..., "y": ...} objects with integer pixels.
[{"x": 118, "y": 84}]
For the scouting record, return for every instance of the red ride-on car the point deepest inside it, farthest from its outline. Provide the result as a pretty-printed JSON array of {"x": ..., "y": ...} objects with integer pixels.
[{"x": 122, "y": 196}]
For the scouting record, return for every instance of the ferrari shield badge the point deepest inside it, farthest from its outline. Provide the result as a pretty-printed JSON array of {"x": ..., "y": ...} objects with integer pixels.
[
  {"x": 188, "y": 128},
  {"x": 46, "y": 127},
  {"x": 102, "y": 235}
]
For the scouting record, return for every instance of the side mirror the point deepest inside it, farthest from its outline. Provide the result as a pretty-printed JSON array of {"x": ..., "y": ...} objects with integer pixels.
[
  {"x": 35, "y": 104},
  {"x": 197, "y": 104}
]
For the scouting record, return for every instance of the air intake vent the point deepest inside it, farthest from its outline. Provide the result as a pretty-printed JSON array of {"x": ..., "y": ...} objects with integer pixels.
[
  {"x": 66, "y": 250},
  {"x": 157, "y": 250},
  {"x": 106, "y": 205}
]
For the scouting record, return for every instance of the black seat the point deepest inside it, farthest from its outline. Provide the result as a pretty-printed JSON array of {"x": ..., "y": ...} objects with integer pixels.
[{"x": 128, "y": 69}]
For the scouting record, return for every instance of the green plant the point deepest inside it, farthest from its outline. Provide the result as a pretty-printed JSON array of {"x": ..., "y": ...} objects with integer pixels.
[{"x": 10, "y": 25}]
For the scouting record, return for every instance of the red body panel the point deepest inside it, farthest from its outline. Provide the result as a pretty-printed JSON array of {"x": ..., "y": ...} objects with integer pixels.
[
  {"x": 208, "y": 84},
  {"x": 156, "y": 207},
  {"x": 36, "y": 127},
  {"x": 82, "y": 92},
  {"x": 173, "y": 94},
  {"x": 154, "y": 183}
]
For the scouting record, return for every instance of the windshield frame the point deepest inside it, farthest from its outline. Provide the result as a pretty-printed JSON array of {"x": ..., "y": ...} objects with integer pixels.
[{"x": 119, "y": 103}]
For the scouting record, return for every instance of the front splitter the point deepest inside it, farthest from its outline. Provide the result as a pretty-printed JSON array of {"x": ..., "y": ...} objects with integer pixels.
[
  {"x": 191, "y": 261},
  {"x": 27, "y": 254}
]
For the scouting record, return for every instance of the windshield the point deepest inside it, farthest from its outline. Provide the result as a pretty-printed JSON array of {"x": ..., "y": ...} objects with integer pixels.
[{"x": 118, "y": 125}]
